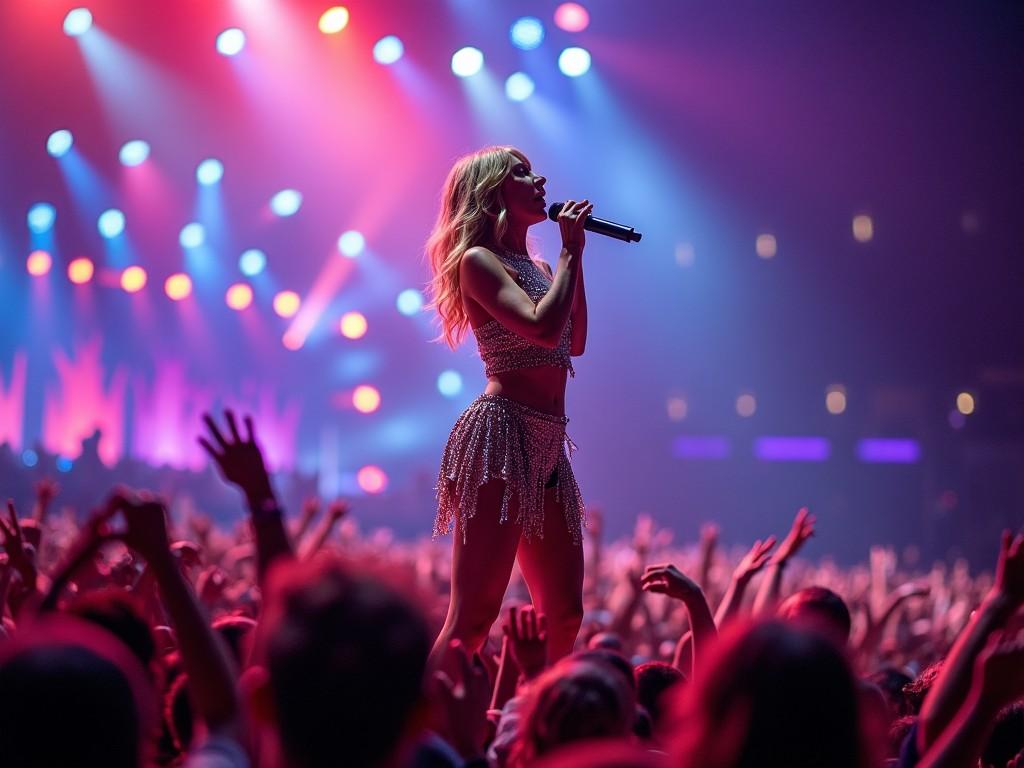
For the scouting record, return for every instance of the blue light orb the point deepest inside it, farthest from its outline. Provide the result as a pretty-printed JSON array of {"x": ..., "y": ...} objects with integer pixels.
[
  {"x": 29, "y": 457},
  {"x": 64, "y": 464},
  {"x": 519, "y": 86},
  {"x": 59, "y": 143},
  {"x": 467, "y": 61},
  {"x": 192, "y": 235},
  {"x": 210, "y": 171},
  {"x": 351, "y": 243},
  {"x": 286, "y": 202},
  {"x": 77, "y": 22},
  {"x": 252, "y": 262},
  {"x": 574, "y": 62},
  {"x": 388, "y": 50},
  {"x": 230, "y": 42},
  {"x": 134, "y": 153},
  {"x": 449, "y": 383},
  {"x": 527, "y": 33},
  {"x": 110, "y": 223},
  {"x": 41, "y": 217},
  {"x": 409, "y": 302}
]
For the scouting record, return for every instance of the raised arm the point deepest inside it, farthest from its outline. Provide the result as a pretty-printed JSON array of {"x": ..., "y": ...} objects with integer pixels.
[
  {"x": 801, "y": 530},
  {"x": 747, "y": 568},
  {"x": 666, "y": 579},
  {"x": 578, "y": 339}
]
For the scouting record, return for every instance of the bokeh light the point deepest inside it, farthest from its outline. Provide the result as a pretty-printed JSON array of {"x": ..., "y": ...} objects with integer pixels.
[
  {"x": 519, "y": 86},
  {"x": 81, "y": 270},
  {"x": 64, "y": 464},
  {"x": 388, "y": 50},
  {"x": 134, "y": 152},
  {"x": 333, "y": 20},
  {"x": 766, "y": 246},
  {"x": 286, "y": 202},
  {"x": 746, "y": 405},
  {"x": 863, "y": 228},
  {"x": 467, "y": 61},
  {"x": 574, "y": 62},
  {"x": 365, "y": 399},
  {"x": 351, "y": 243},
  {"x": 178, "y": 286},
  {"x": 677, "y": 408},
  {"x": 835, "y": 399},
  {"x": 29, "y": 457},
  {"x": 409, "y": 302},
  {"x": 527, "y": 33},
  {"x": 110, "y": 223},
  {"x": 965, "y": 403},
  {"x": 239, "y": 296},
  {"x": 372, "y": 479},
  {"x": 41, "y": 217},
  {"x": 252, "y": 262},
  {"x": 353, "y": 325},
  {"x": 287, "y": 303},
  {"x": 230, "y": 42},
  {"x": 38, "y": 263},
  {"x": 59, "y": 143},
  {"x": 572, "y": 17},
  {"x": 133, "y": 279},
  {"x": 449, "y": 383},
  {"x": 292, "y": 340},
  {"x": 210, "y": 171},
  {"x": 192, "y": 235},
  {"x": 77, "y": 22}
]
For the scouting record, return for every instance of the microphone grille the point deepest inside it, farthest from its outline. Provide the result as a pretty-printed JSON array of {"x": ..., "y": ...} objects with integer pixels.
[{"x": 554, "y": 209}]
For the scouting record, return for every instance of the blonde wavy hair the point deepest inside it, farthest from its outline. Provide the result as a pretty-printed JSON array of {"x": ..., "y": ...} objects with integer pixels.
[{"x": 472, "y": 213}]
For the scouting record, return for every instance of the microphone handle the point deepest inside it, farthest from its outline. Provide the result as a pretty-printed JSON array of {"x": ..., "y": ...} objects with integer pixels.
[{"x": 611, "y": 229}]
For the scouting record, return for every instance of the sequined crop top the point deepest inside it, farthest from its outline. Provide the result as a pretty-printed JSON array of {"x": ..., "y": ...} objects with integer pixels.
[{"x": 503, "y": 350}]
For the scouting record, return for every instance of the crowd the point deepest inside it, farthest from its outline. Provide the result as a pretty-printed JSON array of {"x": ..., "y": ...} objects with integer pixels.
[{"x": 132, "y": 636}]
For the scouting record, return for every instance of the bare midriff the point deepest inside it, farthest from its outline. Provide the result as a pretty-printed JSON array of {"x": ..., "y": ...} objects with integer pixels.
[{"x": 541, "y": 387}]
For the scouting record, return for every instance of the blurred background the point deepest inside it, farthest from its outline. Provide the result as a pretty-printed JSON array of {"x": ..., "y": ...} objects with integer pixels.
[{"x": 225, "y": 204}]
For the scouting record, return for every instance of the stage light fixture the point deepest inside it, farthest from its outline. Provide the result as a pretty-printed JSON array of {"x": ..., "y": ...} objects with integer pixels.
[
  {"x": 239, "y": 296},
  {"x": 351, "y": 243},
  {"x": 353, "y": 325},
  {"x": 133, "y": 279},
  {"x": 366, "y": 399},
  {"x": 388, "y": 50},
  {"x": 746, "y": 405},
  {"x": 286, "y": 303},
  {"x": 230, "y": 42},
  {"x": 574, "y": 62},
  {"x": 965, "y": 403},
  {"x": 835, "y": 399},
  {"x": 334, "y": 20},
  {"x": 863, "y": 228},
  {"x": 178, "y": 286},
  {"x": 134, "y": 153},
  {"x": 467, "y": 61},
  {"x": 41, "y": 217},
  {"x": 766, "y": 246},
  {"x": 409, "y": 302},
  {"x": 59, "y": 142},
  {"x": 77, "y": 22},
  {"x": 252, "y": 262},
  {"x": 449, "y": 383},
  {"x": 372, "y": 479},
  {"x": 286, "y": 202},
  {"x": 110, "y": 223},
  {"x": 527, "y": 33},
  {"x": 519, "y": 86},
  {"x": 192, "y": 235},
  {"x": 80, "y": 270},
  {"x": 38, "y": 263},
  {"x": 572, "y": 17},
  {"x": 210, "y": 171}
]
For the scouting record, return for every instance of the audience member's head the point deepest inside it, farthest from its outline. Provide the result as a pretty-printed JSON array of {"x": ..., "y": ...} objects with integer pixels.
[
  {"x": 819, "y": 608},
  {"x": 769, "y": 694},
  {"x": 1007, "y": 738},
  {"x": 72, "y": 695},
  {"x": 120, "y": 614},
  {"x": 891, "y": 681},
  {"x": 653, "y": 679}
]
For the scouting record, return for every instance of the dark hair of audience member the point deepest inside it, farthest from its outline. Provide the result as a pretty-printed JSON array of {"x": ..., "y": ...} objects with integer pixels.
[
  {"x": 346, "y": 655},
  {"x": 915, "y": 691},
  {"x": 121, "y": 615},
  {"x": 577, "y": 699},
  {"x": 820, "y": 608},
  {"x": 770, "y": 694},
  {"x": 891, "y": 681},
  {"x": 1007, "y": 738},
  {"x": 652, "y": 680},
  {"x": 73, "y": 695}
]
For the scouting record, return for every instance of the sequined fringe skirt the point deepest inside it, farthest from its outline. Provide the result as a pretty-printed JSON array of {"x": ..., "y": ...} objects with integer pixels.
[{"x": 499, "y": 438}]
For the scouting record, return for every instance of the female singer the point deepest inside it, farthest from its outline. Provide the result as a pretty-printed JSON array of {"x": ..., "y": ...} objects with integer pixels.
[{"x": 505, "y": 483}]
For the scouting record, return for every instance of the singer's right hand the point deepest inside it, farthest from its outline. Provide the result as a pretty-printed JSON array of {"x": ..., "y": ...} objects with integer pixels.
[{"x": 570, "y": 221}]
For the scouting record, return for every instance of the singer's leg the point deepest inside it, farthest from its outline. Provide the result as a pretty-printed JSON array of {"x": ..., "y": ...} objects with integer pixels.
[{"x": 480, "y": 572}]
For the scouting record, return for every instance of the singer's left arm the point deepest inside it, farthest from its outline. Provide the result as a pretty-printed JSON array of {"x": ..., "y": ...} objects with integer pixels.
[{"x": 578, "y": 317}]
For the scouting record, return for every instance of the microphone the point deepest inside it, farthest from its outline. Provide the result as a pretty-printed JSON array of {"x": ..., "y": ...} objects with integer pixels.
[{"x": 600, "y": 226}]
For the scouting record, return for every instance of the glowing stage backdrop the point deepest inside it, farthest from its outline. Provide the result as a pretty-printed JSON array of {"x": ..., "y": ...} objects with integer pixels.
[{"x": 208, "y": 204}]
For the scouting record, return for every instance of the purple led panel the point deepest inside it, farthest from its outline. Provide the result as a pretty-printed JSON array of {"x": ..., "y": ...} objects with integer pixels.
[
  {"x": 792, "y": 448},
  {"x": 706, "y": 447},
  {"x": 877, "y": 450}
]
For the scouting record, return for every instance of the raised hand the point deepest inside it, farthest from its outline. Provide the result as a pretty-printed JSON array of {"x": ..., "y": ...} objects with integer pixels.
[
  {"x": 756, "y": 559},
  {"x": 571, "y": 219},
  {"x": 1009, "y": 583},
  {"x": 527, "y": 633},
  {"x": 20, "y": 557},
  {"x": 666, "y": 579},
  {"x": 145, "y": 527},
  {"x": 338, "y": 510},
  {"x": 238, "y": 458},
  {"x": 1001, "y": 669},
  {"x": 464, "y": 702},
  {"x": 799, "y": 533}
]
